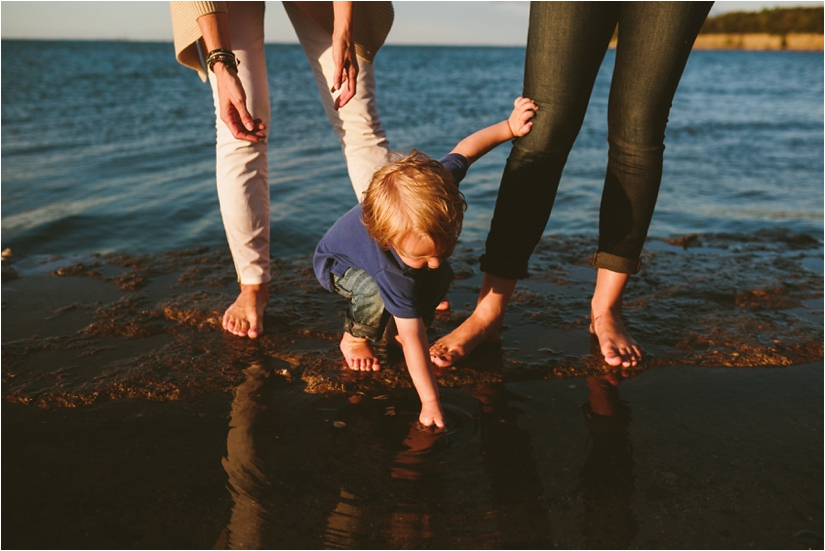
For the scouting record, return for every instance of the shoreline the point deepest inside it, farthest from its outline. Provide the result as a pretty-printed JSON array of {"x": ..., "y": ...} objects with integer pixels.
[{"x": 758, "y": 42}]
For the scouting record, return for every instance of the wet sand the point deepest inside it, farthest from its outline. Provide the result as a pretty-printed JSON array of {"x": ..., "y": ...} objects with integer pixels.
[{"x": 131, "y": 421}]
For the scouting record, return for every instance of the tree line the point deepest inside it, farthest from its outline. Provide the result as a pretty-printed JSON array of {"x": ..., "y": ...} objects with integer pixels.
[{"x": 772, "y": 21}]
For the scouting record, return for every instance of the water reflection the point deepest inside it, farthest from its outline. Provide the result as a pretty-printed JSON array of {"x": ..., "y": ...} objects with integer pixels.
[
  {"x": 374, "y": 480},
  {"x": 515, "y": 484},
  {"x": 606, "y": 480},
  {"x": 246, "y": 460}
]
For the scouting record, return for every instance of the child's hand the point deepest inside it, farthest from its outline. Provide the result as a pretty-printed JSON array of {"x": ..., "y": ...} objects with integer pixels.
[
  {"x": 519, "y": 121},
  {"x": 431, "y": 414}
]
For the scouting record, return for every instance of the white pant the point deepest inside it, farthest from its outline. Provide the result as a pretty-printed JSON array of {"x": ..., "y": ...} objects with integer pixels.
[{"x": 241, "y": 166}]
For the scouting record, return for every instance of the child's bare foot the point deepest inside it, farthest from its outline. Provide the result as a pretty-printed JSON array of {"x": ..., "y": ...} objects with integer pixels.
[
  {"x": 245, "y": 318},
  {"x": 615, "y": 343},
  {"x": 431, "y": 414},
  {"x": 443, "y": 306},
  {"x": 358, "y": 353}
]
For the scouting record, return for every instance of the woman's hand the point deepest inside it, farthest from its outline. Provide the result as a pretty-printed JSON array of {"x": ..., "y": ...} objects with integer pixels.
[
  {"x": 343, "y": 54},
  {"x": 519, "y": 121},
  {"x": 232, "y": 102}
]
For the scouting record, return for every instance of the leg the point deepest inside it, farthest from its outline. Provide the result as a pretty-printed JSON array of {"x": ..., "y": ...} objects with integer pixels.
[
  {"x": 242, "y": 177},
  {"x": 565, "y": 47},
  {"x": 655, "y": 40},
  {"x": 357, "y": 124},
  {"x": 366, "y": 319}
]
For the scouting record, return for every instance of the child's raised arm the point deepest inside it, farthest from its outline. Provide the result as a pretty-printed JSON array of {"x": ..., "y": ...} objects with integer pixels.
[{"x": 476, "y": 145}]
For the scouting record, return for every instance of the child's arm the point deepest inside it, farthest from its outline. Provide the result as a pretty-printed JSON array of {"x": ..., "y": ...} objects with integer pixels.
[
  {"x": 475, "y": 146},
  {"x": 413, "y": 338}
]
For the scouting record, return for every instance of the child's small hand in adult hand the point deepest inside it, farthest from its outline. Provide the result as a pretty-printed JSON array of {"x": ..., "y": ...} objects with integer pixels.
[
  {"x": 523, "y": 110},
  {"x": 431, "y": 415}
]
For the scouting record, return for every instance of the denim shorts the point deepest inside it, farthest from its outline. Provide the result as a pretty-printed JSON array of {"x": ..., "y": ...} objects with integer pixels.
[{"x": 366, "y": 315}]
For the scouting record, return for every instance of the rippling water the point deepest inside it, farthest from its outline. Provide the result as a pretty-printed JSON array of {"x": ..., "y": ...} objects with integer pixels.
[{"x": 108, "y": 146}]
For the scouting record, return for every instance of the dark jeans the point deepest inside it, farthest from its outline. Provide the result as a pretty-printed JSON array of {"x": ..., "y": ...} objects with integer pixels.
[
  {"x": 565, "y": 47},
  {"x": 366, "y": 315}
]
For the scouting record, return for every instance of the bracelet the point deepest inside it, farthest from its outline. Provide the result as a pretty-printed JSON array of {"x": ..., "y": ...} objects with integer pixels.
[{"x": 224, "y": 56}]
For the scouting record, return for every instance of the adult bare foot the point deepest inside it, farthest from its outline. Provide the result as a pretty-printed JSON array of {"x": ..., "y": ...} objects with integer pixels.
[
  {"x": 358, "y": 353},
  {"x": 483, "y": 325},
  {"x": 245, "y": 318},
  {"x": 615, "y": 343}
]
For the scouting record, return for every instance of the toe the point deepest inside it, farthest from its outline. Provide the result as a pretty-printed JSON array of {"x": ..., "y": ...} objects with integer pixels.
[{"x": 612, "y": 358}]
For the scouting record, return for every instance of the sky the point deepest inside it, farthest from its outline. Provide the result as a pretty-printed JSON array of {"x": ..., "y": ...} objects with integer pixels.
[{"x": 481, "y": 23}]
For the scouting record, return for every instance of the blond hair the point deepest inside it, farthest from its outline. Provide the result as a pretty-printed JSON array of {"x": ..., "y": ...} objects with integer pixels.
[{"x": 414, "y": 194}]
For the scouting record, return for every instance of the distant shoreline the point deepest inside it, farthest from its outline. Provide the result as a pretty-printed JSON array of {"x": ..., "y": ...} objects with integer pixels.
[
  {"x": 798, "y": 42},
  {"x": 801, "y": 42}
]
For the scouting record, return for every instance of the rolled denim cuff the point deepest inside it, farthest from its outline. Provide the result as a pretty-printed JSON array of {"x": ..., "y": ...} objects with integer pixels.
[
  {"x": 504, "y": 270},
  {"x": 617, "y": 263},
  {"x": 359, "y": 330}
]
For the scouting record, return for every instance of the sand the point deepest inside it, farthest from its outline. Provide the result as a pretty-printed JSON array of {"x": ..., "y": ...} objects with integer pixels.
[{"x": 130, "y": 420}]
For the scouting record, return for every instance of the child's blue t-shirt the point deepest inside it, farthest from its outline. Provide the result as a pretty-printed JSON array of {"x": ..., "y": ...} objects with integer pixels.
[{"x": 348, "y": 245}]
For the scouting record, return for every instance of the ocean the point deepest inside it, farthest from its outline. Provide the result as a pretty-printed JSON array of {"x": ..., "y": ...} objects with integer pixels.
[{"x": 107, "y": 147}]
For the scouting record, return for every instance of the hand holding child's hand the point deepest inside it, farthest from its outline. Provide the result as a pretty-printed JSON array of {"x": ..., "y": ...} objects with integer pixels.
[
  {"x": 519, "y": 121},
  {"x": 431, "y": 415}
]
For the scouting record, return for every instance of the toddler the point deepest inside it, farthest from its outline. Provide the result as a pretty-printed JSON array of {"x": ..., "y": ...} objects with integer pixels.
[{"x": 388, "y": 255}]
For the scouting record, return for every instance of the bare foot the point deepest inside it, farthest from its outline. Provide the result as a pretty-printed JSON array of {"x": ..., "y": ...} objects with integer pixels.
[
  {"x": 616, "y": 344},
  {"x": 484, "y": 325},
  {"x": 245, "y": 318},
  {"x": 456, "y": 346},
  {"x": 443, "y": 306},
  {"x": 358, "y": 353}
]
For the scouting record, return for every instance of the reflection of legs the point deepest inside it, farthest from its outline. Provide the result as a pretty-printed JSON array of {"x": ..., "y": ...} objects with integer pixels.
[
  {"x": 655, "y": 40},
  {"x": 606, "y": 480},
  {"x": 242, "y": 176},
  {"x": 357, "y": 124},
  {"x": 515, "y": 484},
  {"x": 565, "y": 47},
  {"x": 366, "y": 319},
  {"x": 244, "y": 465}
]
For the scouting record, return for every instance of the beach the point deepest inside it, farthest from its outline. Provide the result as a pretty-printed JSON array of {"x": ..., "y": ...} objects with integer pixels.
[{"x": 131, "y": 420}]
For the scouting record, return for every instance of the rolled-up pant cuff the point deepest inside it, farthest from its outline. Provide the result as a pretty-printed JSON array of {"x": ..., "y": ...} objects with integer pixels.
[
  {"x": 617, "y": 263},
  {"x": 503, "y": 269},
  {"x": 361, "y": 331}
]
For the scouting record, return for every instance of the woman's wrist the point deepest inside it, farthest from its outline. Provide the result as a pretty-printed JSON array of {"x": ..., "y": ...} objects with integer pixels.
[{"x": 222, "y": 57}]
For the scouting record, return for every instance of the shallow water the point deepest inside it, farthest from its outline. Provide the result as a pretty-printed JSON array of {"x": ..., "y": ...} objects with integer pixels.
[{"x": 106, "y": 147}]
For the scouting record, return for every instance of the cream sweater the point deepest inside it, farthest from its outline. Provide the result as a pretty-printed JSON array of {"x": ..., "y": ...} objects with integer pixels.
[{"x": 371, "y": 22}]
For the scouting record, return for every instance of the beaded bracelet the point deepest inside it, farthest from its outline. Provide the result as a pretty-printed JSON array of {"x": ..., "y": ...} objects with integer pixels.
[{"x": 224, "y": 56}]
